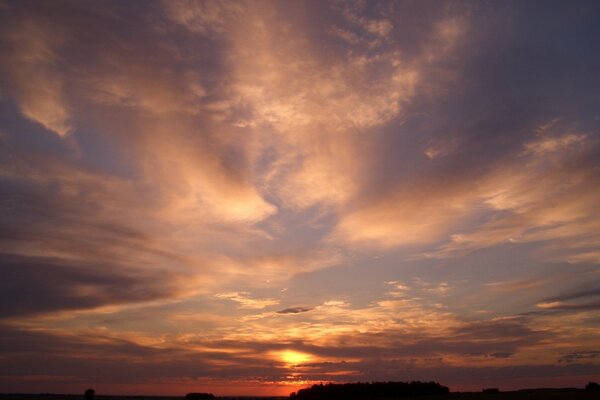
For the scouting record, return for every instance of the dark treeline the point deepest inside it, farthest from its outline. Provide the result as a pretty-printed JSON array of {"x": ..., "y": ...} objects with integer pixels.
[
  {"x": 374, "y": 390},
  {"x": 199, "y": 396}
]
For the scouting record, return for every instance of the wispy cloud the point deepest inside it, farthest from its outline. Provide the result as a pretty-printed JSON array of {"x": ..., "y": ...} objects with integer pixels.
[
  {"x": 246, "y": 301},
  {"x": 34, "y": 78}
]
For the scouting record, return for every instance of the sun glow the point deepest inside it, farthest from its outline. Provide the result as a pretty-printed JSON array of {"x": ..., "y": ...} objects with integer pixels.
[{"x": 292, "y": 357}]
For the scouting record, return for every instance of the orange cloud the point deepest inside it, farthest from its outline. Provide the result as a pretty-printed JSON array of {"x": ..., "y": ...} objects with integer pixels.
[
  {"x": 247, "y": 302},
  {"x": 541, "y": 198}
]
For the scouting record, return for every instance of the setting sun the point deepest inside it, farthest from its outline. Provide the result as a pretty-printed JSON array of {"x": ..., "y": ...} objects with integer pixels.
[{"x": 293, "y": 358}]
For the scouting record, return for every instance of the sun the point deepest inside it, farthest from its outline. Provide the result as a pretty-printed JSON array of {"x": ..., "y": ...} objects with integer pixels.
[{"x": 292, "y": 357}]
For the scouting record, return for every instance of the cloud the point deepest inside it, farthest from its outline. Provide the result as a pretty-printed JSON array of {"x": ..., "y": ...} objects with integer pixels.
[
  {"x": 509, "y": 286},
  {"x": 35, "y": 285},
  {"x": 489, "y": 342},
  {"x": 460, "y": 192},
  {"x": 525, "y": 197},
  {"x": 36, "y": 82},
  {"x": 550, "y": 144},
  {"x": 587, "y": 299},
  {"x": 218, "y": 152},
  {"x": 411, "y": 217},
  {"x": 571, "y": 358},
  {"x": 203, "y": 16},
  {"x": 380, "y": 27},
  {"x": 345, "y": 35},
  {"x": 246, "y": 301},
  {"x": 551, "y": 211},
  {"x": 557, "y": 305},
  {"x": 391, "y": 328},
  {"x": 317, "y": 108},
  {"x": 142, "y": 88},
  {"x": 194, "y": 182},
  {"x": 294, "y": 310},
  {"x": 116, "y": 357},
  {"x": 577, "y": 295}
]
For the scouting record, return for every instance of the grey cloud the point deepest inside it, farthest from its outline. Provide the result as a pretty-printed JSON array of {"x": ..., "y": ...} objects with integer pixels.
[
  {"x": 68, "y": 242},
  {"x": 294, "y": 310},
  {"x": 95, "y": 359},
  {"x": 594, "y": 292},
  {"x": 578, "y": 356},
  {"x": 577, "y": 307},
  {"x": 34, "y": 285},
  {"x": 584, "y": 299}
]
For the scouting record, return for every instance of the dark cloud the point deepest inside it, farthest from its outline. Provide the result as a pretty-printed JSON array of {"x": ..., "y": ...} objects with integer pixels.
[
  {"x": 594, "y": 292},
  {"x": 62, "y": 249},
  {"x": 576, "y": 307},
  {"x": 294, "y": 310},
  {"x": 585, "y": 299},
  {"x": 35, "y": 285},
  {"x": 579, "y": 356},
  {"x": 93, "y": 358}
]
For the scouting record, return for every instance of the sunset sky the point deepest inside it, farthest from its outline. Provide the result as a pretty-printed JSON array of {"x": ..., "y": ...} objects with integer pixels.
[{"x": 250, "y": 197}]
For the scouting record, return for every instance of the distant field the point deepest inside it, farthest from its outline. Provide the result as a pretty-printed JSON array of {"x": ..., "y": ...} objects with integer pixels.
[{"x": 521, "y": 395}]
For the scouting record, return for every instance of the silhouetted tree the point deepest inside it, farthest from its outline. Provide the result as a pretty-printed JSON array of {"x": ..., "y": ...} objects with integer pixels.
[
  {"x": 199, "y": 396},
  {"x": 592, "y": 387},
  {"x": 367, "y": 390},
  {"x": 491, "y": 390},
  {"x": 89, "y": 394}
]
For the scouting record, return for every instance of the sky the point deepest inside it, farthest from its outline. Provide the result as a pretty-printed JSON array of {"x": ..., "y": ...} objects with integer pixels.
[{"x": 249, "y": 197}]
